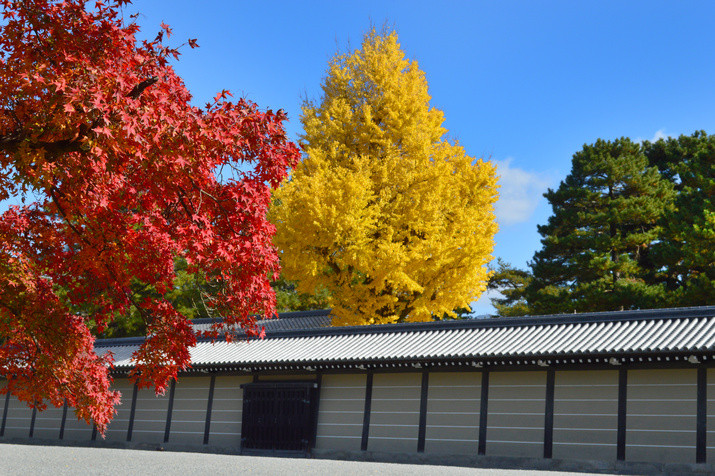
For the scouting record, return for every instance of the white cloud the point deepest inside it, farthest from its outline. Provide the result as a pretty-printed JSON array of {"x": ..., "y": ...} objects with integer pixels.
[
  {"x": 659, "y": 134},
  {"x": 519, "y": 193},
  {"x": 483, "y": 306}
]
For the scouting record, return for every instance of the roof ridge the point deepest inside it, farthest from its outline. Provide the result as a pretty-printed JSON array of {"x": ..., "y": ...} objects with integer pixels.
[
  {"x": 281, "y": 315},
  {"x": 553, "y": 319}
]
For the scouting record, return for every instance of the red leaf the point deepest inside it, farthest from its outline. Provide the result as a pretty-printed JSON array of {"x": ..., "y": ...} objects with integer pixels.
[{"x": 166, "y": 28}]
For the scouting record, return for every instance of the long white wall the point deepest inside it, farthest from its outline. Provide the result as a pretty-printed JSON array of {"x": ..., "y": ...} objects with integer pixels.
[{"x": 438, "y": 413}]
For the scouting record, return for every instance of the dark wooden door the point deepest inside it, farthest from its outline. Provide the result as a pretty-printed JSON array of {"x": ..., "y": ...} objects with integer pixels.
[{"x": 277, "y": 416}]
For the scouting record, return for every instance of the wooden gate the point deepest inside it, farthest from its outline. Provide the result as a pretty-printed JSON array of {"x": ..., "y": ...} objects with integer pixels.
[{"x": 278, "y": 416}]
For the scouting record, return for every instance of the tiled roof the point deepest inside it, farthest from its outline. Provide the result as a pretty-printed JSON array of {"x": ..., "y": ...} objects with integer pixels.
[
  {"x": 529, "y": 339},
  {"x": 285, "y": 321}
]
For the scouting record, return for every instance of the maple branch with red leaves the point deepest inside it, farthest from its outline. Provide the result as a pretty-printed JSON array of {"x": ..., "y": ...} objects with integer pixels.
[{"x": 102, "y": 131}]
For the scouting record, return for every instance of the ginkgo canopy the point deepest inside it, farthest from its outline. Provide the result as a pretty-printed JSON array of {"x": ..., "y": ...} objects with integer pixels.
[{"x": 395, "y": 221}]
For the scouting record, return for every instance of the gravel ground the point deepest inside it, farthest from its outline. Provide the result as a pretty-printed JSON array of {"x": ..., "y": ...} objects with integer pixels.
[{"x": 63, "y": 460}]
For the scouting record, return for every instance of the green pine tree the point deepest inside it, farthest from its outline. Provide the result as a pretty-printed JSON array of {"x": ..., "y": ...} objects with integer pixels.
[
  {"x": 596, "y": 245},
  {"x": 511, "y": 283},
  {"x": 685, "y": 256},
  {"x": 288, "y": 298}
]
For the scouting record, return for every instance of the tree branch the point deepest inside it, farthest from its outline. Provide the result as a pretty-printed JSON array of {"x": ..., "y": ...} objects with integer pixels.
[{"x": 139, "y": 88}]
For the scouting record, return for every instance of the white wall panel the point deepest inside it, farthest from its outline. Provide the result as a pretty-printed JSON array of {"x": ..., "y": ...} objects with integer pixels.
[
  {"x": 395, "y": 415},
  {"x": 150, "y": 416},
  {"x": 341, "y": 410},
  {"x": 189, "y": 415},
  {"x": 226, "y": 412},
  {"x": 515, "y": 421},
  {"x": 585, "y": 414},
  {"x": 453, "y": 406},
  {"x": 117, "y": 430},
  {"x": 661, "y": 409}
]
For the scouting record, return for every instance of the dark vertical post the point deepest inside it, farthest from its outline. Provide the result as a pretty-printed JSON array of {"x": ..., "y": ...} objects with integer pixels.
[
  {"x": 366, "y": 413},
  {"x": 702, "y": 416},
  {"x": 32, "y": 421},
  {"x": 622, "y": 409},
  {"x": 64, "y": 420},
  {"x": 423, "y": 413},
  {"x": 4, "y": 414},
  {"x": 132, "y": 412},
  {"x": 549, "y": 413},
  {"x": 483, "y": 402},
  {"x": 170, "y": 410},
  {"x": 94, "y": 432},
  {"x": 209, "y": 405}
]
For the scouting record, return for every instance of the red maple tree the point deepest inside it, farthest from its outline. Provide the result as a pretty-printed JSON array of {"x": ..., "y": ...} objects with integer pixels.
[{"x": 99, "y": 128}]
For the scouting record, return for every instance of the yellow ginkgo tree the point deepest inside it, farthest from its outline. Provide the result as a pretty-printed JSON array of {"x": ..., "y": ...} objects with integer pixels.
[{"x": 396, "y": 222}]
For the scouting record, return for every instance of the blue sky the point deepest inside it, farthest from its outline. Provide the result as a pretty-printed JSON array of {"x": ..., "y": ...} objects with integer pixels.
[{"x": 523, "y": 83}]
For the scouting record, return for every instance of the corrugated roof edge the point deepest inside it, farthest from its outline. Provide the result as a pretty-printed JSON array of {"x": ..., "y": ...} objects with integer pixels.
[{"x": 552, "y": 319}]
